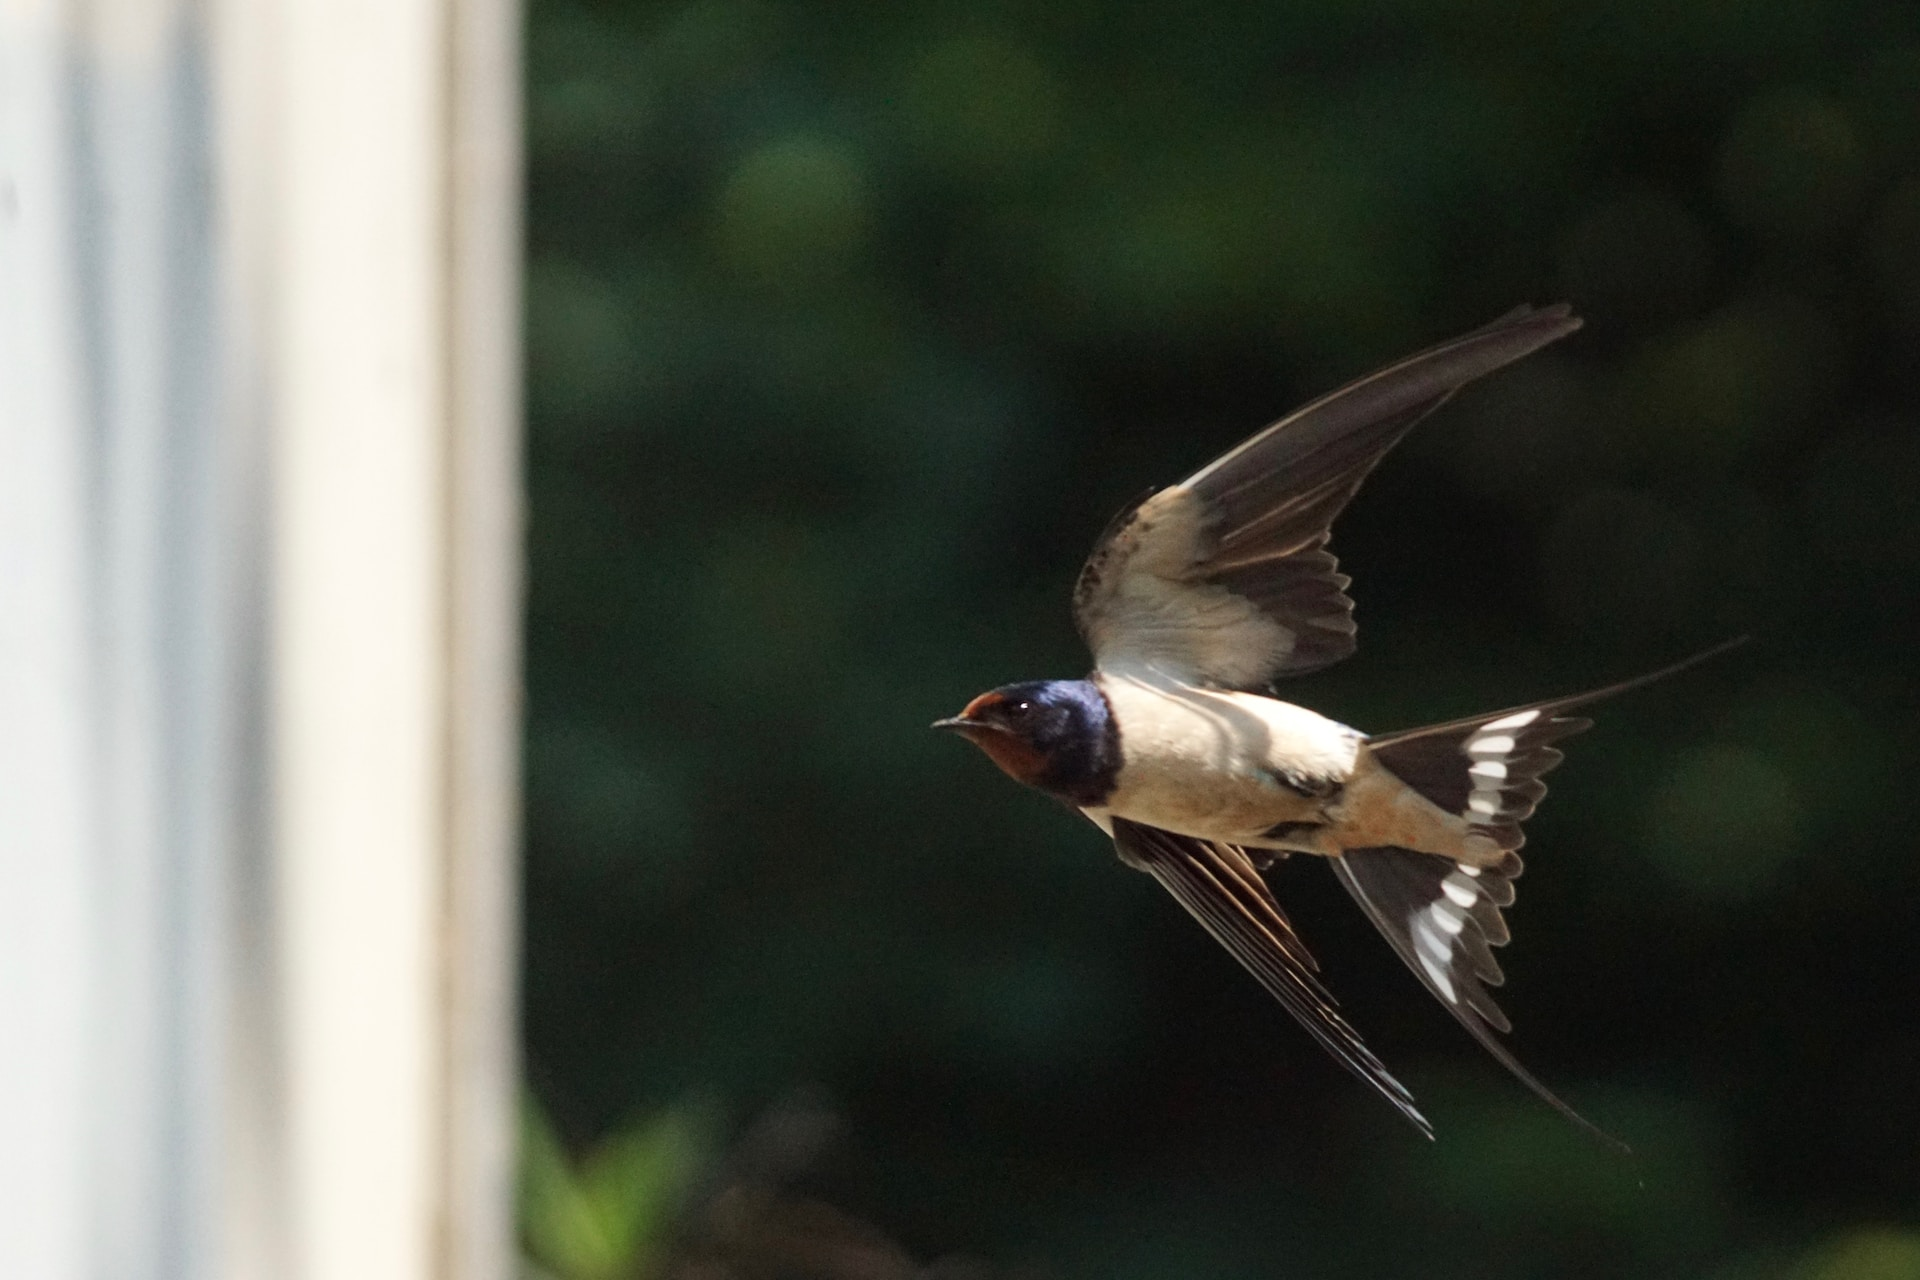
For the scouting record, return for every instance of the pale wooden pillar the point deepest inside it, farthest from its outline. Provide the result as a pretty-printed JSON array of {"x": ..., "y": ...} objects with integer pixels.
[
  {"x": 385, "y": 278},
  {"x": 259, "y": 535},
  {"x": 118, "y": 703}
]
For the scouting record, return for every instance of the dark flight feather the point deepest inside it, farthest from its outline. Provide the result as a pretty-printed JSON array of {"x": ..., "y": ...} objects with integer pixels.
[
  {"x": 1219, "y": 887},
  {"x": 1259, "y": 523}
]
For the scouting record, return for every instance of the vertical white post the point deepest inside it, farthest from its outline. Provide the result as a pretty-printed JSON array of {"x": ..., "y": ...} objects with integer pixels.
[
  {"x": 392, "y": 319},
  {"x": 259, "y": 535},
  {"x": 45, "y": 837},
  {"x": 360, "y": 624},
  {"x": 115, "y": 787}
]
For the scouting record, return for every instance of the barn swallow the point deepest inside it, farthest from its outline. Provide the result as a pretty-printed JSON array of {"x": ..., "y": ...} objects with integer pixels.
[{"x": 1194, "y": 601}]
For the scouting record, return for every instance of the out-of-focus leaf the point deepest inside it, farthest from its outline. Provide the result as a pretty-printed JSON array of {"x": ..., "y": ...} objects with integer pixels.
[
  {"x": 1868, "y": 1253},
  {"x": 605, "y": 1216}
]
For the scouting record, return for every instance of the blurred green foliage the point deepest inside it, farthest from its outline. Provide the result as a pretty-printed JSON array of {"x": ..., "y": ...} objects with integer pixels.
[
  {"x": 610, "y": 1215},
  {"x": 848, "y": 326}
]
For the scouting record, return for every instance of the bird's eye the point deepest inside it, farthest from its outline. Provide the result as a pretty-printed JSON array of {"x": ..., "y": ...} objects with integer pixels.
[{"x": 1018, "y": 709}]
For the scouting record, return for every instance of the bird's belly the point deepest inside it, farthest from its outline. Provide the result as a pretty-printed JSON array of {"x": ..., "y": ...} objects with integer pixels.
[
  {"x": 1222, "y": 766},
  {"x": 1214, "y": 806}
]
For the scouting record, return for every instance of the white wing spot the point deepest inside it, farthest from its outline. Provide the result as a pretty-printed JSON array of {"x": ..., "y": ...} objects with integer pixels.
[
  {"x": 1441, "y": 979},
  {"x": 1464, "y": 894},
  {"x": 1449, "y": 920},
  {"x": 1518, "y": 720},
  {"x": 1468, "y": 869},
  {"x": 1494, "y": 770},
  {"x": 1484, "y": 803},
  {"x": 1428, "y": 940},
  {"x": 1498, "y": 744}
]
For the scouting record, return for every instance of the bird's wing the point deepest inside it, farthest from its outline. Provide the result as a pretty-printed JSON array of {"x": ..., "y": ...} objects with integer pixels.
[
  {"x": 1220, "y": 887},
  {"x": 1224, "y": 579},
  {"x": 1443, "y": 919}
]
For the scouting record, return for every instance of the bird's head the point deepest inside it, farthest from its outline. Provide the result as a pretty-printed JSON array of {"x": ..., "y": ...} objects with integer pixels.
[{"x": 1056, "y": 735}]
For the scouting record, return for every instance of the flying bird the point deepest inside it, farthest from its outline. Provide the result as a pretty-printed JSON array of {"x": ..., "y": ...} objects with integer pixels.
[{"x": 1194, "y": 601}]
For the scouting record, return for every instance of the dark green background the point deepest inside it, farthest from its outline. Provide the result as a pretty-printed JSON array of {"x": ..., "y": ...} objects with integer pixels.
[{"x": 850, "y": 324}]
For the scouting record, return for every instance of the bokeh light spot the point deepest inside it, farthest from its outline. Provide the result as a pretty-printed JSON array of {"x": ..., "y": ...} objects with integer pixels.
[
  {"x": 585, "y": 115},
  {"x": 589, "y": 103},
  {"x": 1870, "y": 1253},
  {"x": 795, "y": 210},
  {"x": 1792, "y": 165},
  {"x": 1837, "y": 755},
  {"x": 717, "y": 42},
  {"x": 1725, "y": 821},
  {"x": 1507, "y": 1151},
  {"x": 1745, "y": 375},
  {"x": 580, "y": 345},
  {"x": 1161, "y": 262},
  {"x": 981, "y": 103}
]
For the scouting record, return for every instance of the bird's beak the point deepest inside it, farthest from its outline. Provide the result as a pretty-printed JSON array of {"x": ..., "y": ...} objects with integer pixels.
[
  {"x": 968, "y": 721},
  {"x": 964, "y": 723}
]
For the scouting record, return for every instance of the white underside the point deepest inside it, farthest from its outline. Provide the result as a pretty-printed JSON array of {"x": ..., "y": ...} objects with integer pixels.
[
  {"x": 1211, "y": 763},
  {"x": 1232, "y": 767}
]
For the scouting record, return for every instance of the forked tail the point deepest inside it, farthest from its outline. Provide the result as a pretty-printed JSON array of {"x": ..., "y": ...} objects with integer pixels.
[
  {"x": 1487, "y": 768},
  {"x": 1443, "y": 917}
]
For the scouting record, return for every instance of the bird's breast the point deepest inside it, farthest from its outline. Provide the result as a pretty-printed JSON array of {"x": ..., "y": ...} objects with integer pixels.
[{"x": 1221, "y": 765}]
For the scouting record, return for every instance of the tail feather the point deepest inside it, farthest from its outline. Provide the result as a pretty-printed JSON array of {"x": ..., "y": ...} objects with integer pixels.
[
  {"x": 1443, "y": 917},
  {"x": 1488, "y": 768}
]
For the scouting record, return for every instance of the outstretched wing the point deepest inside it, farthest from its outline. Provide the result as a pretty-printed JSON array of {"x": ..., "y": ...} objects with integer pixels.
[
  {"x": 1220, "y": 887},
  {"x": 1224, "y": 579}
]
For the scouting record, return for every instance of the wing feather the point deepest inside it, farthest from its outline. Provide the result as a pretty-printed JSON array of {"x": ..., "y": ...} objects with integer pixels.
[
  {"x": 1220, "y": 887},
  {"x": 1224, "y": 579}
]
